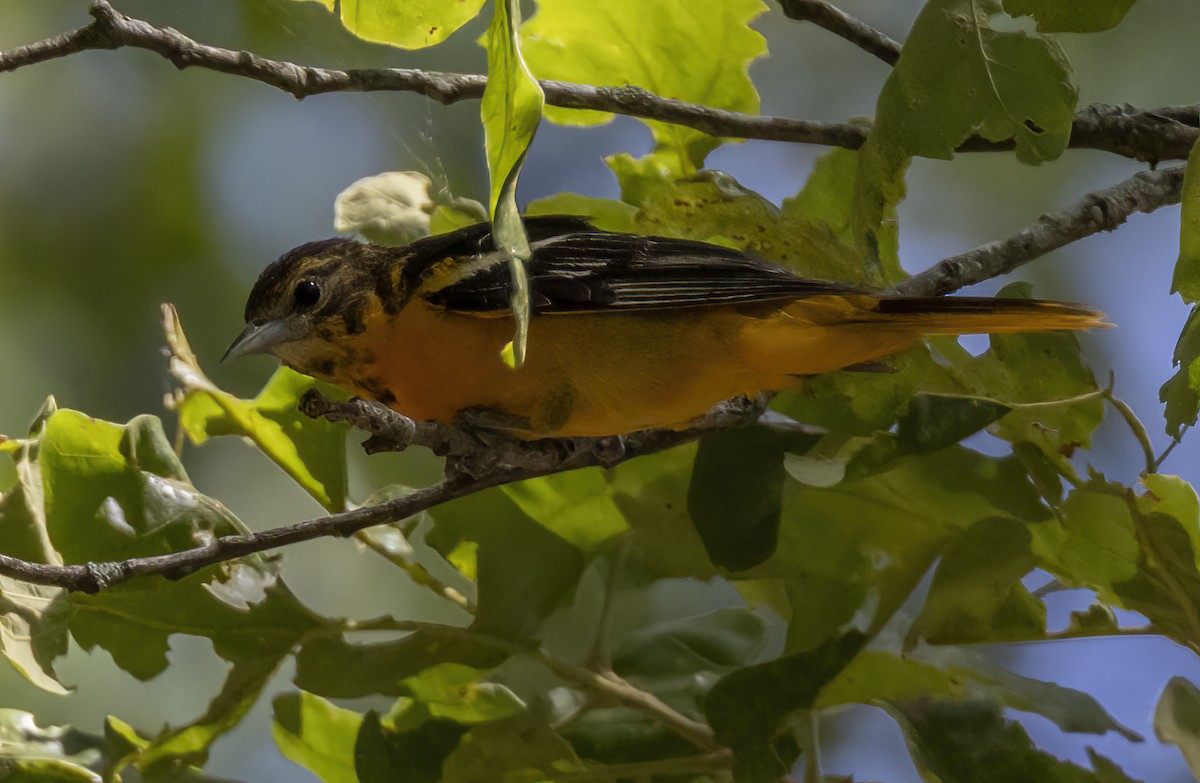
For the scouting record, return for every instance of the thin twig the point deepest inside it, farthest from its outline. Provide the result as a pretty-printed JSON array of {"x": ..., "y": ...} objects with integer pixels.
[
  {"x": 840, "y": 23},
  {"x": 1103, "y": 210},
  {"x": 473, "y": 466},
  {"x": 1163, "y": 134}
]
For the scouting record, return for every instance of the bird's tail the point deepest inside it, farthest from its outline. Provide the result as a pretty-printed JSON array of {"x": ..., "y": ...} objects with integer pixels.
[{"x": 983, "y": 315}]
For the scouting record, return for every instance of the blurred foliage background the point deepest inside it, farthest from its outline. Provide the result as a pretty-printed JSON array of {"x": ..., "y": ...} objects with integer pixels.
[{"x": 124, "y": 183}]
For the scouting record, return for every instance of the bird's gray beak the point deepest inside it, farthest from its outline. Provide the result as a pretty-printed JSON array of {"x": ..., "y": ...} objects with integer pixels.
[{"x": 261, "y": 338}]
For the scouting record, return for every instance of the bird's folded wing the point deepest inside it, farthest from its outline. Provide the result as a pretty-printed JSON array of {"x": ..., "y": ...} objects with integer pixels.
[{"x": 590, "y": 271}]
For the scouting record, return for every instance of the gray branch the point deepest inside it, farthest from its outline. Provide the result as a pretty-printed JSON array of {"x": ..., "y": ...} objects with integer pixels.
[
  {"x": 840, "y": 23},
  {"x": 1146, "y": 136},
  {"x": 1102, "y": 210},
  {"x": 474, "y": 462}
]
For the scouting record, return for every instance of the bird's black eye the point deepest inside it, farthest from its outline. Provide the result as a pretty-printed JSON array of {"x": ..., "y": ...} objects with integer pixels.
[{"x": 307, "y": 293}]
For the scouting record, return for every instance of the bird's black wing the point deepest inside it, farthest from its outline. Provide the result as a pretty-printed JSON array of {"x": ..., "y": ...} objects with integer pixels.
[{"x": 591, "y": 270}]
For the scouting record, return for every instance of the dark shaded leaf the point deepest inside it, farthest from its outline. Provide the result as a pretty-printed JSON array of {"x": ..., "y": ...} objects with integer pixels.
[
  {"x": 747, "y": 708},
  {"x": 735, "y": 496},
  {"x": 382, "y": 755},
  {"x": 935, "y": 421}
]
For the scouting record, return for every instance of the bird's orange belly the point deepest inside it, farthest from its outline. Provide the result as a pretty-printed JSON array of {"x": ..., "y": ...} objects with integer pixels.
[{"x": 585, "y": 375}]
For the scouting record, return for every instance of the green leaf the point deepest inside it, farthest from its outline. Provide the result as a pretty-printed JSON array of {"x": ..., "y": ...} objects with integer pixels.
[
  {"x": 603, "y": 213},
  {"x": 511, "y": 110},
  {"x": 1177, "y": 719},
  {"x": 524, "y": 572},
  {"x": 383, "y": 755},
  {"x": 456, "y": 692},
  {"x": 1182, "y": 392},
  {"x": 311, "y": 451},
  {"x": 111, "y": 492},
  {"x": 577, "y": 506},
  {"x": 712, "y": 206},
  {"x": 977, "y": 594},
  {"x": 933, "y": 422},
  {"x": 696, "y": 51},
  {"x": 849, "y": 555},
  {"x": 971, "y": 742},
  {"x": 1137, "y": 553},
  {"x": 735, "y": 497},
  {"x": 408, "y": 24},
  {"x": 1065, "y": 16},
  {"x": 1186, "y": 280},
  {"x": 713, "y": 642},
  {"x": 956, "y": 77},
  {"x": 488, "y": 754},
  {"x": 316, "y": 735},
  {"x": 748, "y": 708},
  {"x": 32, "y": 754},
  {"x": 828, "y": 194}
]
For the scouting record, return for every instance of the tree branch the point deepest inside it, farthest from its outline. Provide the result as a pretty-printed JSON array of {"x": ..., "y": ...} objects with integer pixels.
[
  {"x": 474, "y": 463},
  {"x": 840, "y": 23},
  {"x": 1164, "y": 134},
  {"x": 1102, "y": 210}
]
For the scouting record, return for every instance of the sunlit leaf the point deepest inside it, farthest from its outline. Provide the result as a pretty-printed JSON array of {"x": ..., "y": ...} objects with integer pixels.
[
  {"x": 310, "y": 451},
  {"x": 577, "y": 506},
  {"x": 689, "y": 51},
  {"x": 457, "y": 692},
  {"x": 408, "y": 24},
  {"x": 603, "y": 213},
  {"x": 511, "y": 110},
  {"x": 316, "y": 735}
]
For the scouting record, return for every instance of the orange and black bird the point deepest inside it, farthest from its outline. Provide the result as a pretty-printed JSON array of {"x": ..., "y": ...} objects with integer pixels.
[{"x": 627, "y": 332}]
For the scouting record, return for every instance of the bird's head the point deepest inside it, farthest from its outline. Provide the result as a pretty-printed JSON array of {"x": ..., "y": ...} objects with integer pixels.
[{"x": 306, "y": 308}]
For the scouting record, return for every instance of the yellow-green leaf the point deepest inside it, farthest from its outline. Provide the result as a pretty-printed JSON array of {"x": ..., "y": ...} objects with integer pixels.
[
  {"x": 511, "y": 110},
  {"x": 1186, "y": 281},
  {"x": 689, "y": 50},
  {"x": 408, "y": 24}
]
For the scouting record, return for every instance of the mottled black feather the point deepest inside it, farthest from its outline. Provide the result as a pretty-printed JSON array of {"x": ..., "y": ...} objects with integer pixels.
[{"x": 602, "y": 271}]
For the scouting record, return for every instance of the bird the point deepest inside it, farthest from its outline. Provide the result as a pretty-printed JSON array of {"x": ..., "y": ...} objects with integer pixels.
[{"x": 627, "y": 332}]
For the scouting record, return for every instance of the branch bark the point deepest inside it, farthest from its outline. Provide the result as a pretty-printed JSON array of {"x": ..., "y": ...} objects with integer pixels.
[
  {"x": 842, "y": 24},
  {"x": 1164, "y": 134},
  {"x": 473, "y": 465},
  {"x": 1102, "y": 210}
]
